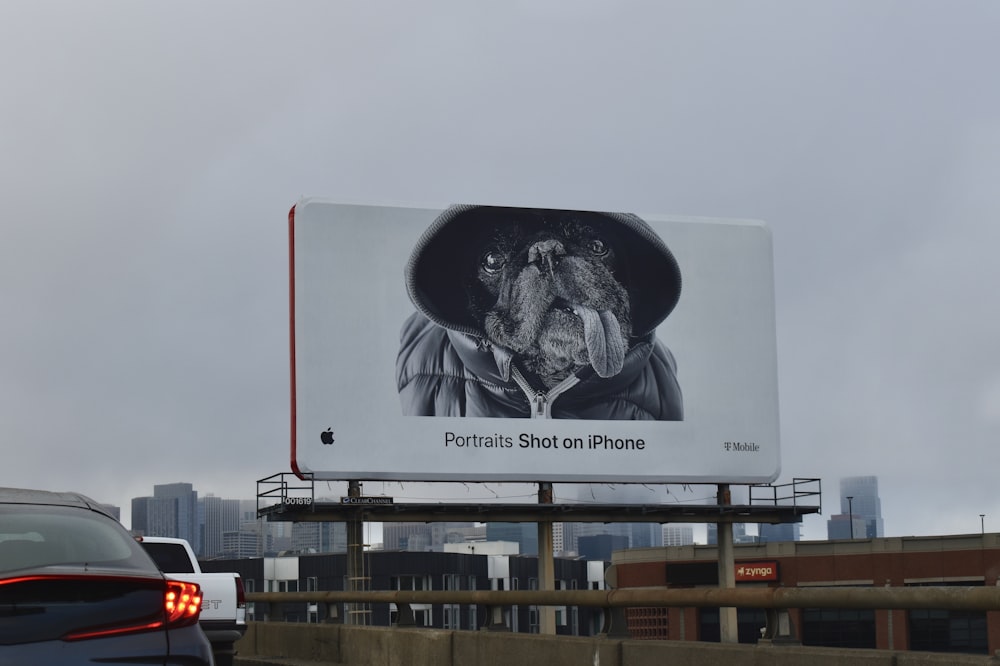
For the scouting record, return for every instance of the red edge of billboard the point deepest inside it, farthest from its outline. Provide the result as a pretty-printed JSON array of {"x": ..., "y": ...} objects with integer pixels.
[{"x": 291, "y": 323}]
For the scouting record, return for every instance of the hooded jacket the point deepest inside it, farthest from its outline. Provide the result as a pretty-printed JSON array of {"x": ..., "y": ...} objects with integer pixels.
[{"x": 447, "y": 367}]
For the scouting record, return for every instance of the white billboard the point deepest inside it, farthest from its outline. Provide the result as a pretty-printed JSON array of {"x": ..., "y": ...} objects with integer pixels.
[{"x": 485, "y": 343}]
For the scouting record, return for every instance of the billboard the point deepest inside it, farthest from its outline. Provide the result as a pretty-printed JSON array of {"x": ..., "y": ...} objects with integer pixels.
[{"x": 486, "y": 343}]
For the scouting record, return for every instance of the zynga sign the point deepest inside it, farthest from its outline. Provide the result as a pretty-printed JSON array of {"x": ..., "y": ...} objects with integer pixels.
[{"x": 756, "y": 571}]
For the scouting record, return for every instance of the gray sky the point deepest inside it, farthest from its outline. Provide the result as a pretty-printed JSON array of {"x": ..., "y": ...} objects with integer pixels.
[{"x": 150, "y": 152}]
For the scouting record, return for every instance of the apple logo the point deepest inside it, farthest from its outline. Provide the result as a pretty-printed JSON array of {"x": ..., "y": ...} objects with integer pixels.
[{"x": 326, "y": 436}]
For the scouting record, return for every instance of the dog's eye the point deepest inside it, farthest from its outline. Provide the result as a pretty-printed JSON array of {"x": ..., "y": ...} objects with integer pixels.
[
  {"x": 493, "y": 261},
  {"x": 598, "y": 247}
]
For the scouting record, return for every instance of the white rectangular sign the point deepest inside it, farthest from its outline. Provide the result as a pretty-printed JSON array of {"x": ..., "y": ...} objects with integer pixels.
[{"x": 482, "y": 343}]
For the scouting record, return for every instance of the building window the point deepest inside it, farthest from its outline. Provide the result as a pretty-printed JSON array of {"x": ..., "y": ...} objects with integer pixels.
[
  {"x": 948, "y": 631},
  {"x": 452, "y": 616},
  {"x": 421, "y": 616},
  {"x": 749, "y": 622},
  {"x": 842, "y": 628},
  {"x": 416, "y": 583}
]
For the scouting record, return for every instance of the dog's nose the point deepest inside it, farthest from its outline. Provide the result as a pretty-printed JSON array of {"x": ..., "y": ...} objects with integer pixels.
[{"x": 546, "y": 254}]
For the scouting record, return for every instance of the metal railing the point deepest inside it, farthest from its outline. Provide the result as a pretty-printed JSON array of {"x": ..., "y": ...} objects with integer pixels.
[
  {"x": 285, "y": 489},
  {"x": 775, "y": 601},
  {"x": 794, "y": 493}
]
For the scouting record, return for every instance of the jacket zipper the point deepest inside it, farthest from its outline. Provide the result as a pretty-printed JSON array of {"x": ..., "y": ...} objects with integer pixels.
[{"x": 540, "y": 402}]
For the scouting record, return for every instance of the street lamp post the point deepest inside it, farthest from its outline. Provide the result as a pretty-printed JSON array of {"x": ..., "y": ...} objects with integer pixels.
[
  {"x": 850, "y": 513},
  {"x": 982, "y": 523}
]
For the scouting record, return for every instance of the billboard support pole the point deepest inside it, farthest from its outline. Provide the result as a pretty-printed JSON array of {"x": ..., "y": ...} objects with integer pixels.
[
  {"x": 546, "y": 563},
  {"x": 357, "y": 613},
  {"x": 728, "y": 621}
]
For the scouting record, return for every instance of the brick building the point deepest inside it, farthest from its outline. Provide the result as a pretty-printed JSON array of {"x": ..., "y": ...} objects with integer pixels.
[{"x": 966, "y": 560}]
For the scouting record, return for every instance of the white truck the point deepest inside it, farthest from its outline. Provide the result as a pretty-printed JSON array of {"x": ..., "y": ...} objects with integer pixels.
[{"x": 223, "y": 606}]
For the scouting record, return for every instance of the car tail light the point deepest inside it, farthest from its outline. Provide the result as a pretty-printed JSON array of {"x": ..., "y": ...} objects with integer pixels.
[
  {"x": 182, "y": 602},
  {"x": 241, "y": 597},
  {"x": 181, "y": 608},
  {"x": 119, "y": 604}
]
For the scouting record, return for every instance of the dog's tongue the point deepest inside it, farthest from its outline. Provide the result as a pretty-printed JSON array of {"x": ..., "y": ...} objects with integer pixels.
[{"x": 604, "y": 340}]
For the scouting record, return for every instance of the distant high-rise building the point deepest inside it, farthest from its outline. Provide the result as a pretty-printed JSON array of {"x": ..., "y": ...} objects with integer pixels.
[
  {"x": 600, "y": 546},
  {"x": 645, "y": 535},
  {"x": 860, "y": 510},
  {"x": 780, "y": 532},
  {"x": 140, "y": 516},
  {"x": 678, "y": 535},
  {"x": 524, "y": 534},
  {"x": 396, "y": 536},
  {"x": 319, "y": 537},
  {"x": 241, "y": 543},
  {"x": 843, "y": 526},
  {"x": 217, "y": 516},
  {"x": 154, "y": 516},
  {"x": 428, "y": 536},
  {"x": 864, "y": 503},
  {"x": 185, "y": 499},
  {"x": 453, "y": 532},
  {"x": 739, "y": 534},
  {"x": 566, "y": 539},
  {"x": 558, "y": 538},
  {"x": 248, "y": 511}
]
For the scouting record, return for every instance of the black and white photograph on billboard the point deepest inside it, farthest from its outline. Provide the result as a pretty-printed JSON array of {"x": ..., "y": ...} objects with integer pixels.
[
  {"x": 539, "y": 313},
  {"x": 483, "y": 342}
]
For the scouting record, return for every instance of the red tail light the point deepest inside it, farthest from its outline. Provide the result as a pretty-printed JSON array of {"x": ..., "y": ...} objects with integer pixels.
[
  {"x": 181, "y": 607},
  {"x": 241, "y": 597},
  {"x": 182, "y": 602},
  {"x": 119, "y": 604}
]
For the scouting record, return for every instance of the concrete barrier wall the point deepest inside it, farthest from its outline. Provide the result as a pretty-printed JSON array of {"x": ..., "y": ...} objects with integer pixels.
[
  {"x": 486, "y": 648},
  {"x": 336, "y": 644}
]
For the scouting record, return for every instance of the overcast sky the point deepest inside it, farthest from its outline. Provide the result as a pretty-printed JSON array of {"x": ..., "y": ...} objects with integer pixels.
[{"x": 150, "y": 152}]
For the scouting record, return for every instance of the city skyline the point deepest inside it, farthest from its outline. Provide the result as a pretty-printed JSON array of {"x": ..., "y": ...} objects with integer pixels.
[{"x": 215, "y": 521}]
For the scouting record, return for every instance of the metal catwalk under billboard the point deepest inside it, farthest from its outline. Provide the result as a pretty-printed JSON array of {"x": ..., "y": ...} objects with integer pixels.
[{"x": 484, "y": 343}]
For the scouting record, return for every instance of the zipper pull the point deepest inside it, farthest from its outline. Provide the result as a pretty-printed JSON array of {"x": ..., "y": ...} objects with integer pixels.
[{"x": 541, "y": 406}]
